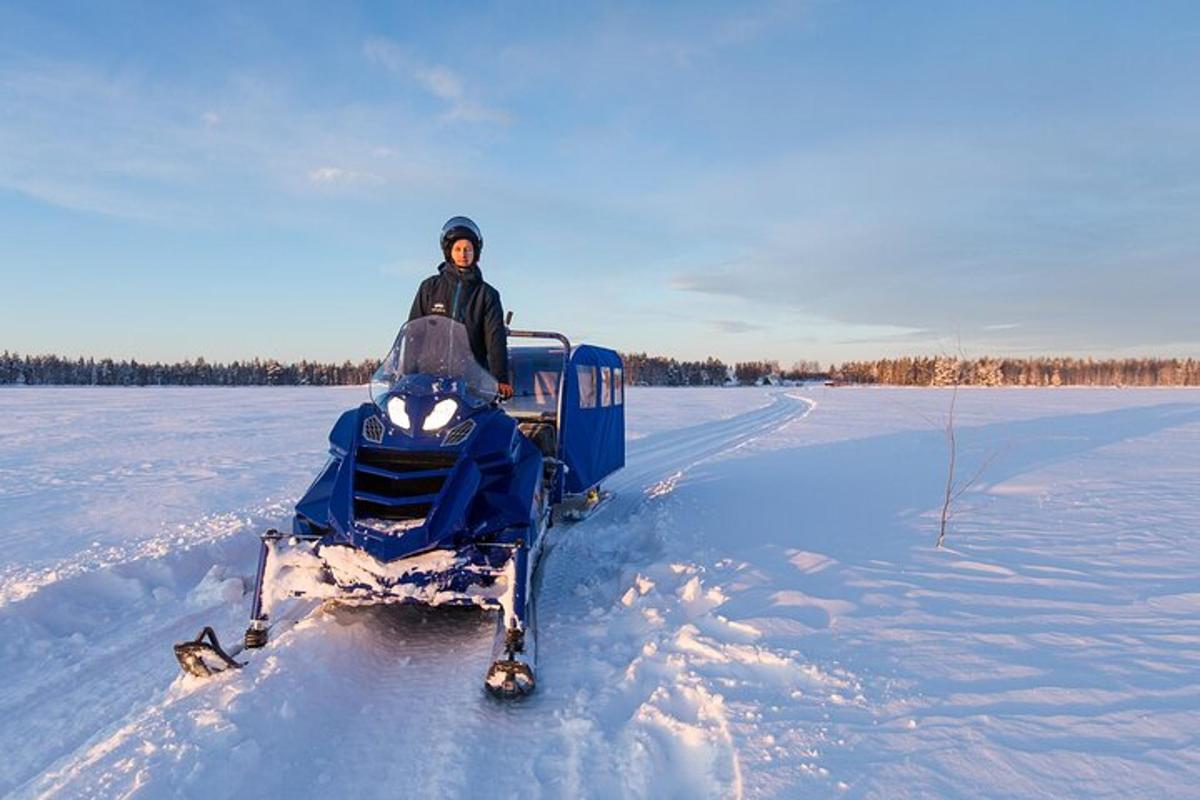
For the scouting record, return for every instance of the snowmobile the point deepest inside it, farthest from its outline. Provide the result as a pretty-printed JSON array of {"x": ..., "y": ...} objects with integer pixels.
[{"x": 434, "y": 493}]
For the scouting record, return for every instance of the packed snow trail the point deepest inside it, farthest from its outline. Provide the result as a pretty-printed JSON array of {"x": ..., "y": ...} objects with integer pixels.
[{"x": 760, "y": 612}]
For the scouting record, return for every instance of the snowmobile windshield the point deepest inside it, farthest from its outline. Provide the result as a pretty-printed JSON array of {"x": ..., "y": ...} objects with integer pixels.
[{"x": 432, "y": 355}]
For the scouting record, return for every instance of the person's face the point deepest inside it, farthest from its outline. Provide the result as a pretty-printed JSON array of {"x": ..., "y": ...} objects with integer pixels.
[{"x": 462, "y": 252}]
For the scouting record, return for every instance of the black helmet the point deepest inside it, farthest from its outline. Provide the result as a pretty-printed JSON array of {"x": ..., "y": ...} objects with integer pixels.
[{"x": 461, "y": 228}]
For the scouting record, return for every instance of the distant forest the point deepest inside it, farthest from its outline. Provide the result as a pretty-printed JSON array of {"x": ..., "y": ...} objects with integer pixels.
[
  {"x": 644, "y": 370},
  {"x": 53, "y": 370},
  {"x": 1044, "y": 371},
  {"x": 640, "y": 370}
]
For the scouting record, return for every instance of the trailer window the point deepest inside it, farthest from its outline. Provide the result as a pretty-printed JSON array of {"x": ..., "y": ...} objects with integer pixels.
[
  {"x": 587, "y": 385},
  {"x": 618, "y": 387},
  {"x": 535, "y": 373},
  {"x": 605, "y": 386}
]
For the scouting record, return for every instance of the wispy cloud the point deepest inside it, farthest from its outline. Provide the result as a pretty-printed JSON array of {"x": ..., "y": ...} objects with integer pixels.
[
  {"x": 337, "y": 176},
  {"x": 739, "y": 29},
  {"x": 437, "y": 80},
  {"x": 151, "y": 150},
  {"x": 735, "y": 326},
  {"x": 441, "y": 82},
  {"x": 943, "y": 235},
  {"x": 388, "y": 54}
]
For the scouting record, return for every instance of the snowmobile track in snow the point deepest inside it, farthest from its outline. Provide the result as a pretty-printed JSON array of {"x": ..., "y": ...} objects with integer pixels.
[
  {"x": 659, "y": 455},
  {"x": 654, "y": 466}
]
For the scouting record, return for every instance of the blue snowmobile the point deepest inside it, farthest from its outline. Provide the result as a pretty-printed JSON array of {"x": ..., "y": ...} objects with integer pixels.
[{"x": 435, "y": 494}]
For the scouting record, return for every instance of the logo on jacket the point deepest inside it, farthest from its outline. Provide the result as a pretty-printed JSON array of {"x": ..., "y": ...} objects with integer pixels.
[{"x": 438, "y": 308}]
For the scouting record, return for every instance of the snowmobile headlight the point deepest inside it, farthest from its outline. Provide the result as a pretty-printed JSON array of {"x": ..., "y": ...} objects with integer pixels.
[
  {"x": 398, "y": 413},
  {"x": 442, "y": 413}
]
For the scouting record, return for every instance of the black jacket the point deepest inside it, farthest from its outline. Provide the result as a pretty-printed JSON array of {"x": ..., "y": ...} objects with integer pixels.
[{"x": 463, "y": 295}]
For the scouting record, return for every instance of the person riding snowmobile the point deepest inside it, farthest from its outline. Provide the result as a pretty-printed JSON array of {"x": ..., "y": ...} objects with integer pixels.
[{"x": 458, "y": 291}]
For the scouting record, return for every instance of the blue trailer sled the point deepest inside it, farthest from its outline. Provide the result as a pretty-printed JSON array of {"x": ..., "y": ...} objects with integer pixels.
[{"x": 436, "y": 494}]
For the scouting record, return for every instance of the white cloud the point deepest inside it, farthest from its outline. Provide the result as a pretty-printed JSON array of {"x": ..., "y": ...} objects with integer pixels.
[
  {"x": 441, "y": 82},
  {"x": 339, "y": 176},
  {"x": 735, "y": 326},
  {"x": 386, "y": 54},
  {"x": 473, "y": 112},
  {"x": 158, "y": 150},
  {"x": 436, "y": 79}
]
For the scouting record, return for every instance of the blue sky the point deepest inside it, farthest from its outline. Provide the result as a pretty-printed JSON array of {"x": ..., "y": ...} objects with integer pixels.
[{"x": 816, "y": 180}]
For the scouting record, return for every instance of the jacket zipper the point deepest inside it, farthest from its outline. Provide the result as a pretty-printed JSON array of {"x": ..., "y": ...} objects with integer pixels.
[{"x": 454, "y": 303}]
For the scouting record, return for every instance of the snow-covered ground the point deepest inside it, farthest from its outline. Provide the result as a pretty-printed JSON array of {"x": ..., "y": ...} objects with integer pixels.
[{"x": 760, "y": 613}]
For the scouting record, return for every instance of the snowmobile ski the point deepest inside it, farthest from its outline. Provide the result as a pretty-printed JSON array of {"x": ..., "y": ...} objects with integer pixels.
[
  {"x": 581, "y": 507},
  {"x": 512, "y": 676},
  {"x": 204, "y": 656}
]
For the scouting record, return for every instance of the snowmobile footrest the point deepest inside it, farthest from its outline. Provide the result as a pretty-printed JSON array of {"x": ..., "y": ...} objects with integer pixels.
[{"x": 204, "y": 656}]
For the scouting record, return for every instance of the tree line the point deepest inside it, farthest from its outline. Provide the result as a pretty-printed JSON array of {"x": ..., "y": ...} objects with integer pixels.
[
  {"x": 640, "y": 370},
  {"x": 54, "y": 370},
  {"x": 646, "y": 370},
  {"x": 1043, "y": 371}
]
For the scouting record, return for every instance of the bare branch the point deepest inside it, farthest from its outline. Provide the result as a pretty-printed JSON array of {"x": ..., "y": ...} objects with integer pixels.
[
  {"x": 987, "y": 462},
  {"x": 952, "y": 453}
]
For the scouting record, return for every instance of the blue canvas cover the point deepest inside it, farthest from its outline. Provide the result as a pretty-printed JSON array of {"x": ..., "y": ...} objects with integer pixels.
[{"x": 592, "y": 428}]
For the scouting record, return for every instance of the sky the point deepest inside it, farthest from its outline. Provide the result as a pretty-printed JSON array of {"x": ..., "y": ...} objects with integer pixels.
[{"x": 797, "y": 181}]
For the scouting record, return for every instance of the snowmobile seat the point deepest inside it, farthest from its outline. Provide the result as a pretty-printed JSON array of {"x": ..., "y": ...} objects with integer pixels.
[{"x": 542, "y": 434}]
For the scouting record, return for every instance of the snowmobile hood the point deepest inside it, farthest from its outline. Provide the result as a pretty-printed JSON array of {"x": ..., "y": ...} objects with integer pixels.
[{"x": 396, "y": 493}]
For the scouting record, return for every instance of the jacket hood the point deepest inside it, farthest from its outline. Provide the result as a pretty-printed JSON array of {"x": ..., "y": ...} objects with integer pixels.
[{"x": 470, "y": 275}]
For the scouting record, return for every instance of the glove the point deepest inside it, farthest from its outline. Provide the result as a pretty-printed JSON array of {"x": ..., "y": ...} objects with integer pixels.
[{"x": 505, "y": 391}]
